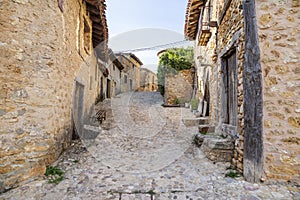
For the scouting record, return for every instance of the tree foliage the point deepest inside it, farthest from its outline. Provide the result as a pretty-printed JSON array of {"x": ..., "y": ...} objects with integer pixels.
[
  {"x": 177, "y": 58},
  {"x": 172, "y": 61}
]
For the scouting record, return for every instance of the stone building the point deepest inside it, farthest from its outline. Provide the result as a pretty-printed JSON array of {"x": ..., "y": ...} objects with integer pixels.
[
  {"x": 247, "y": 60},
  {"x": 115, "y": 75},
  {"x": 131, "y": 72},
  {"x": 148, "y": 80},
  {"x": 50, "y": 80},
  {"x": 179, "y": 87}
]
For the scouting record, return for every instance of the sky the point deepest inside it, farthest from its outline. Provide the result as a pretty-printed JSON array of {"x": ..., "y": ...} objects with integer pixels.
[{"x": 136, "y": 24}]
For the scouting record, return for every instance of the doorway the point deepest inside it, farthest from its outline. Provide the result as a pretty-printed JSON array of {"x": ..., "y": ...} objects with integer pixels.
[
  {"x": 101, "y": 89},
  {"x": 108, "y": 89},
  {"x": 77, "y": 113},
  {"x": 229, "y": 94},
  {"x": 131, "y": 85}
]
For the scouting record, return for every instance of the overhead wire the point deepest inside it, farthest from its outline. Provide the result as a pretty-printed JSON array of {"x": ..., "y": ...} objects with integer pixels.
[{"x": 163, "y": 46}]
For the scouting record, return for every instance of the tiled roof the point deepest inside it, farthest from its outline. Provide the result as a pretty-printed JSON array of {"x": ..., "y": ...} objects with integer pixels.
[
  {"x": 97, "y": 10},
  {"x": 192, "y": 18}
]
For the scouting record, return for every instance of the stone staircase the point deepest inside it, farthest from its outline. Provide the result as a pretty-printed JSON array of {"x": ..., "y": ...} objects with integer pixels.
[{"x": 217, "y": 147}]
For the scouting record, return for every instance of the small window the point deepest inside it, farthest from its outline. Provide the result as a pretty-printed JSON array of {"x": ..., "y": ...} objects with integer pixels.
[
  {"x": 125, "y": 78},
  {"x": 114, "y": 68}
]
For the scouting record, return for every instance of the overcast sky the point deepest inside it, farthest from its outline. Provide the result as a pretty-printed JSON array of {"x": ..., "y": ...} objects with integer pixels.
[{"x": 145, "y": 23}]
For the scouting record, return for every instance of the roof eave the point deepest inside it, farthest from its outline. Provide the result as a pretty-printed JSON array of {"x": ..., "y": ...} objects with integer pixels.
[{"x": 192, "y": 18}]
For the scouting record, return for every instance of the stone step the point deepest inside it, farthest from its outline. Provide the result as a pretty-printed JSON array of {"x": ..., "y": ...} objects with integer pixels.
[
  {"x": 195, "y": 121},
  {"x": 199, "y": 138},
  {"x": 203, "y": 120},
  {"x": 218, "y": 149},
  {"x": 205, "y": 128}
]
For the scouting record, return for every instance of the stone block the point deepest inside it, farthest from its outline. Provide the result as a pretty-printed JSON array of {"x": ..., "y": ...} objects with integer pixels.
[
  {"x": 294, "y": 121},
  {"x": 190, "y": 122},
  {"x": 198, "y": 139},
  {"x": 218, "y": 149},
  {"x": 206, "y": 129},
  {"x": 203, "y": 120}
]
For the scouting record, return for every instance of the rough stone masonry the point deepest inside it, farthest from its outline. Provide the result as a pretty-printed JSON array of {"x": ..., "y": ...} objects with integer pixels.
[{"x": 41, "y": 53}]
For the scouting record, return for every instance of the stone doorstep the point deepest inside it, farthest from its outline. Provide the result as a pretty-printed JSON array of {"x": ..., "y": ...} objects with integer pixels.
[
  {"x": 217, "y": 149},
  {"x": 195, "y": 121},
  {"x": 218, "y": 143},
  {"x": 206, "y": 128},
  {"x": 199, "y": 138},
  {"x": 203, "y": 120},
  {"x": 219, "y": 156}
]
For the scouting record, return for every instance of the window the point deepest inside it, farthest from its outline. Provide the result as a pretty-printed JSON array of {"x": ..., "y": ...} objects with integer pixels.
[
  {"x": 125, "y": 78},
  {"x": 114, "y": 68}
]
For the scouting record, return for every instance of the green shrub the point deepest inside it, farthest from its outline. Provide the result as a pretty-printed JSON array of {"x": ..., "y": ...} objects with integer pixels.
[{"x": 194, "y": 104}]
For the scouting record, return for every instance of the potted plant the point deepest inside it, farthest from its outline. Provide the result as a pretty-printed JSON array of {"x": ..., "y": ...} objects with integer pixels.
[{"x": 194, "y": 105}]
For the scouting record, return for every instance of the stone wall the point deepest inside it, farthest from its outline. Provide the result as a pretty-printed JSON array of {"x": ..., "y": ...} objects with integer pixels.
[
  {"x": 178, "y": 86},
  {"x": 131, "y": 71},
  {"x": 41, "y": 56},
  {"x": 136, "y": 74},
  {"x": 207, "y": 71},
  {"x": 148, "y": 80},
  {"x": 230, "y": 35},
  {"x": 279, "y": 33},
  {"x": 115, "y": 77}
]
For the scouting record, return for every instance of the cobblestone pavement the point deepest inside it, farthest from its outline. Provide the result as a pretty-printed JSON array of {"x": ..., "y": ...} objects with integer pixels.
[{"x": 144, "y": 152}]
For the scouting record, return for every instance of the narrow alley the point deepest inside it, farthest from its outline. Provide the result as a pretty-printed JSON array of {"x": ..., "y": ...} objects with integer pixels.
[
  {"x": 144, "y": 165},
  {"x": 149, "y": 100}
]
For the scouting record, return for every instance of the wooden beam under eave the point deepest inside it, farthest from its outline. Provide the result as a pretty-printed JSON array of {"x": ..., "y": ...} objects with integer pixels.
[
  {"x": 98, "y": 27},
  {"x": 93, "y": 2},
  {"x": 99, "y": 33},
  {"x": 196, "y": 5},
  {"x": 194, "y": 17},
  {"x": 193, "y": 12},
  {"x": 98, "y": 38},
  {"x": 193, "y": 22},
  {"x": 95, "y": 19},
  {"x": 93, "y": 10}
]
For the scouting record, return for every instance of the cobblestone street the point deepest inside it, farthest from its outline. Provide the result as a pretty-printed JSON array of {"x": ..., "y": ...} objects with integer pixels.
[{"x": 144, "y": 152}]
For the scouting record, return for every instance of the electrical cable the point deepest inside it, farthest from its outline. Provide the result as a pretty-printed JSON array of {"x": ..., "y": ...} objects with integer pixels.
[{"x": 154, "y": 47}]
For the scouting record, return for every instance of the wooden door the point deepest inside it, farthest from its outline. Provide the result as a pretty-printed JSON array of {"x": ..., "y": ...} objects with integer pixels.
[
  {"x": 230, "y": 104},
  {"x": 108, "y": 89}
]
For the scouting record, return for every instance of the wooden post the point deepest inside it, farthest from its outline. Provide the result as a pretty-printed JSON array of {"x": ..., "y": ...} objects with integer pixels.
[{"x": 253, "y": 103}]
